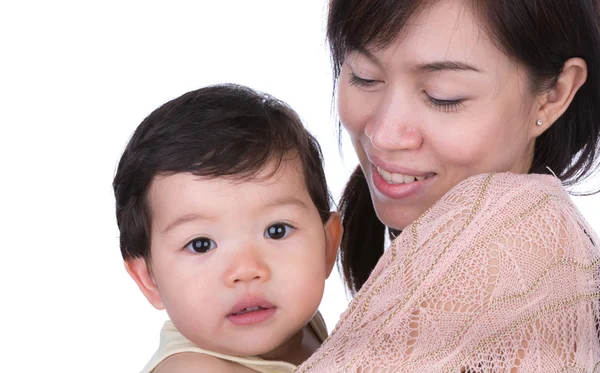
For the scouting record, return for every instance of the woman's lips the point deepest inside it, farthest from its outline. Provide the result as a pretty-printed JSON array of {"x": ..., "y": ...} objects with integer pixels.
[
  {"x": 400, "y": 178},
  {"x": 398, "y": 186}
]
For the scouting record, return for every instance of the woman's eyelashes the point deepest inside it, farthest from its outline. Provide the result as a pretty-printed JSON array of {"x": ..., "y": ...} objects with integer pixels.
[
  {"x": 447, "y": 106},
  {"x": 361, "y": 82},
  {"x": 200, "y": 245},
  {"x": 278, "y": 231}
]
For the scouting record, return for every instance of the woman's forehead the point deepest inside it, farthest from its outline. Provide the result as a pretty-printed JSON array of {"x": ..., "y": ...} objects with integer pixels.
[{"x": 445, "y": 31}]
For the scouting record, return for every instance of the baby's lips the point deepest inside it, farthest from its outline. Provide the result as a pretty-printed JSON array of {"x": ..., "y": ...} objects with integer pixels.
[{"x": 250, "y": 302}]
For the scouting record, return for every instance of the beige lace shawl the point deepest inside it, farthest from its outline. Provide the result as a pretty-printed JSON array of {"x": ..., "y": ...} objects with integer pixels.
[{"x": 501, "y": 275}]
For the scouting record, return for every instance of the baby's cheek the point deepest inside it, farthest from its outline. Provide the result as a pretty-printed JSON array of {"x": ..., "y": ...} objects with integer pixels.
[
  {"x": 187, "y": 303},
  {"x": 195, "y": 317},
  {"x": 307, "y": 302},
  {"x": 313, "y": 286}
]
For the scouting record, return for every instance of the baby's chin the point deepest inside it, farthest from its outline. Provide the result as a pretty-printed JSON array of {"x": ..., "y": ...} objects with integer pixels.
[
  {"x": 262, "y": 342},
  {"x": 266, "y": 349}
]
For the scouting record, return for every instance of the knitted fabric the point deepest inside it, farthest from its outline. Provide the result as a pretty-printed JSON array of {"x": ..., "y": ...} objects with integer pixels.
[{"x": 500, "y": 275}]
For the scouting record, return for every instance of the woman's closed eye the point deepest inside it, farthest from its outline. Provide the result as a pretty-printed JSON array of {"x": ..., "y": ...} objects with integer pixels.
[
  {"x": 361, "y": 82},
  {"x": 200, "y": 245},
  {"x": 448, "y": 106},
  {"x": 278, "y": 231}
]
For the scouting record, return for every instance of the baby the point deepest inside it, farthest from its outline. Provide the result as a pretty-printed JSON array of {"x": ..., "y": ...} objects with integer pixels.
[{"x": 225, "y": 222}]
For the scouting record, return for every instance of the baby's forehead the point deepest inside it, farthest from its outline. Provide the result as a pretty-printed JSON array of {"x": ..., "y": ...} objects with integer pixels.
[
  {"x": 274, "y": 175},
  {"x": 284, "y": 186}
]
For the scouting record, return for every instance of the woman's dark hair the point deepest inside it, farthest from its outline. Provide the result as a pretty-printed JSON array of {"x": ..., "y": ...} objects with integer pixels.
[
  {"x": 540, "y": 34},
  {"x": 363, "y": 243},
  {"x": 218, "y": 131}
]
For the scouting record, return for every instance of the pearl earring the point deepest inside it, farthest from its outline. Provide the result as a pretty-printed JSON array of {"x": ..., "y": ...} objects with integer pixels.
[{"x": 539, "y": 122}]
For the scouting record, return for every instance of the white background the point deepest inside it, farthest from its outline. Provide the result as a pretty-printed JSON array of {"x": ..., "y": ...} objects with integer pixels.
[{"x": 76, "y": 78}]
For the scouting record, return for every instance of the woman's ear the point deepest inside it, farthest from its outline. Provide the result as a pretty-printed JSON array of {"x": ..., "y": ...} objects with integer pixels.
[
  {"x": 333, "y": 237},
  {"x": 556, "y": 100},
  {"x": 140, "y": 272}
]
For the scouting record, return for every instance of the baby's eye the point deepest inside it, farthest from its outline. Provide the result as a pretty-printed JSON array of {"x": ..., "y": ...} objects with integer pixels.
[
  {"x": 200, "y": 245},
  {"x": 278, "y": 231}
]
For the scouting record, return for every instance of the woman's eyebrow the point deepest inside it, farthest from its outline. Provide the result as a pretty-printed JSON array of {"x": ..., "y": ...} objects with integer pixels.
[
  {"x": 445, "y": 65},
  {"x": 424, "y": 67}
]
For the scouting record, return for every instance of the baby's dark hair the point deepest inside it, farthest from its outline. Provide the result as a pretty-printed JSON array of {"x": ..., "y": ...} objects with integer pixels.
[{"x": 218, "y": 131}]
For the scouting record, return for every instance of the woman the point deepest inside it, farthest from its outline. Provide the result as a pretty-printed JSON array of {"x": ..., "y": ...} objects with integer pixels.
[{"x": 468, "y": 117}]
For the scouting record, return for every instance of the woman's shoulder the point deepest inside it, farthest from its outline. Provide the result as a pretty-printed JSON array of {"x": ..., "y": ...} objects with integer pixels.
[
  {"x": 483, "y": 197},
  {"x": 510, "y": 230},
  {"x": 508, "y": 183},
  {"x": 529, "y": 209},
  {"x": 545, "y": 217},
  {"x": 510, "y": 193}
]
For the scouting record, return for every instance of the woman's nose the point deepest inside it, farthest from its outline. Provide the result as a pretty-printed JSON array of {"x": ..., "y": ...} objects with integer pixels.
[
  {"x": 247, "y": 267},
  {"x": 390, "y": 137},
  {"x": 395, "y": 126}
]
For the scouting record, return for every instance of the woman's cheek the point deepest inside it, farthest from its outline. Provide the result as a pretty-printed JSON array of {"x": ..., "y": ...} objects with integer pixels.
[{"x": 354, "y": 110}]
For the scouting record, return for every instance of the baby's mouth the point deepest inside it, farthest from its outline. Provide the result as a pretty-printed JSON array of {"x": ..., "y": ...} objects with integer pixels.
[
  {"x": 251, "y": 311},
  {"x": 250, "y": 304},
  {"x": 248, "y": 309}
]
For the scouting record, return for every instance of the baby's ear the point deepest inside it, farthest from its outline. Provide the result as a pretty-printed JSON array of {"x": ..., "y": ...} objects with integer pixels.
[
  {"x": 333, "y": 237},
  {"x": 140, "y": 272}
]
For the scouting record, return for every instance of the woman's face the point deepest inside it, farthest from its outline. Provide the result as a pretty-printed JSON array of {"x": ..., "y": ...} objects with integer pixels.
[{"x": 437, "y": 106}]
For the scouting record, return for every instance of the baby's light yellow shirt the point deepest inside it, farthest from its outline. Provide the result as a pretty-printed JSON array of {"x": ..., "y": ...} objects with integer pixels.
[{"x": 173, "y": 342}]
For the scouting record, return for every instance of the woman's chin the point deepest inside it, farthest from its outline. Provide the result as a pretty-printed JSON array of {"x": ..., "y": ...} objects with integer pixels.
[{"x": 396, "y": 217}]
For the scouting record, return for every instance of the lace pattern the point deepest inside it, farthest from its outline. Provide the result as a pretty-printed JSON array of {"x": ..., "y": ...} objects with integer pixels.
[{"x": 501, "y": 275}]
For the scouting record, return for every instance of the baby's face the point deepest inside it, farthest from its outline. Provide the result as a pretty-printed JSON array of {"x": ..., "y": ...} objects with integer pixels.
[{"x": 239, "y": 266}]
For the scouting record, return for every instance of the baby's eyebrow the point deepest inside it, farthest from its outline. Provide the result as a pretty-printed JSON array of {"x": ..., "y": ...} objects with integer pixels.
[
  {"x": 182, "y": 220},
  {"x": 290, "y": 200}
]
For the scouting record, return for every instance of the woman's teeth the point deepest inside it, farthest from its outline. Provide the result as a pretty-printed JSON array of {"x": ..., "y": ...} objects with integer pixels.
[{"x": 398, "y": 178}]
